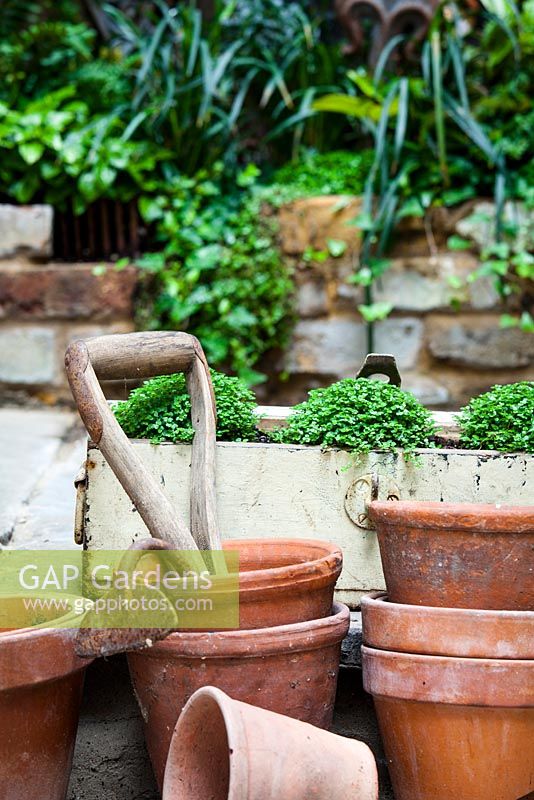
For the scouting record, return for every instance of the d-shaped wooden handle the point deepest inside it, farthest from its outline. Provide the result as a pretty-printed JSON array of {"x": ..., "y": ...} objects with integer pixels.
[{"x": 143, "y": 355}]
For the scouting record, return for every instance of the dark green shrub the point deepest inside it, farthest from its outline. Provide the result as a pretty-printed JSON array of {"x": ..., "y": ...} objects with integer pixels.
[
  {"x": 501, "y": 419},
  {"x": 360, "y": 415},
  {"x": 160, "y": 410}
]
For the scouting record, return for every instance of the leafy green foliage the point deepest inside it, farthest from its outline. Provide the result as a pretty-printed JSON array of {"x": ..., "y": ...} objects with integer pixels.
[
  {"x": 450, "y": 128},
  {"x": 360, "y": 415},
  {"x": 501, "y": 419},
  {"x": 241, "y": 76},
  {"x": 43, "y": 58},
  {"x": 219, "y": 274},
  {"x": 160, "y": 410},
  {"x": 338, "y": 172},
  {"x": 54, "y": 149}
]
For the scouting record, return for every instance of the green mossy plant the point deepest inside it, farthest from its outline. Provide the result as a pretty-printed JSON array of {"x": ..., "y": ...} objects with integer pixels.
[
  {"x": 501, "y": 419},
  {"x": 160, "y": 410},
  {"x": 360, "y": 415},
  {"x": 338, "y": 172}
]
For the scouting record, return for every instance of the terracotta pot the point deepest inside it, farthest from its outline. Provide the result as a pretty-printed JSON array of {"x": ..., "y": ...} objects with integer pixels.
[
  {"x": 40, "y": 692},
  {"x": 219, "y": 746},
  {"x": 463, "y": 632},
  {"x": 457, "y": 555},
  {"x": 290, "y": 669},
  {"x": 454, "y": 727},
  {"x": 285, "y": 581}
]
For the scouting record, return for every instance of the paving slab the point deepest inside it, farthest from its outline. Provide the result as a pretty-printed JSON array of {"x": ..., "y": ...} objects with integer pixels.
[{"x": 40, "y": 453}]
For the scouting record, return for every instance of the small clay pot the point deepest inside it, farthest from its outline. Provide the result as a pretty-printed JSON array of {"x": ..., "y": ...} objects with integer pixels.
[
  {"x": 223, "y": 749},
  {"x": 454, "y": 727},
  {"x": 457, "y": 555},
  {"x": 282, "y": 581},
  {"x": 462, "y": 632},
  {"x": 290, "y": 669},
  {"x": 40, "y": 692}
]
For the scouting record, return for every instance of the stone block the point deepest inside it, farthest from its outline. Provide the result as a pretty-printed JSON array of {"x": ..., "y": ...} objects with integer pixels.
[
  {"x": 26, "y": 229},
  {"x": 312, "y": 221},
  {"x": 480, "y": 225},
  {"x": 423, "y": 284},
  {"x": 312, "y": 300},
  {"x": 428, "y": 391},
  {"x": 338, "y": 345},
  {"x": 28, "y": 355},
  {"x": 480, "y": 343},
  {"x": 65, "y": 291}
]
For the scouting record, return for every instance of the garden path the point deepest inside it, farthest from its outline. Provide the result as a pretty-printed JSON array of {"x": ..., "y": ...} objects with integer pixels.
[{"x": 41, "y": 451}]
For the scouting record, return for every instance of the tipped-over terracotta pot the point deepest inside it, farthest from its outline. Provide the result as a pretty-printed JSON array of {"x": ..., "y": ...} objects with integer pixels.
[
  {"x": 457, "y": 555},
  {"x": 285, "y": 581},
  {"x": 223, "y": 749},
  {"x": 290, "y": 669},
  {"x": 463, "y": 632},
  {"x": 454, "y": 727},
  {"x": 40, "y": 692}
]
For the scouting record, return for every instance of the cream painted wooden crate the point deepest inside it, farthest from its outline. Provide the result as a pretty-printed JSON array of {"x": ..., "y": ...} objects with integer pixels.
[{"x": 278, "y": 491}]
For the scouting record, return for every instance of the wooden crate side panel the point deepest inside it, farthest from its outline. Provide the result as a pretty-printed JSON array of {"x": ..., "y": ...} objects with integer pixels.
[{"x": 290, "y": 491}]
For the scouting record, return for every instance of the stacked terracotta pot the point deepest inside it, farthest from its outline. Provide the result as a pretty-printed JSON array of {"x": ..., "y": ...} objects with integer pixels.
[
  {"x": 284, "y": 657},
  {"x": 449, "y": 654}
]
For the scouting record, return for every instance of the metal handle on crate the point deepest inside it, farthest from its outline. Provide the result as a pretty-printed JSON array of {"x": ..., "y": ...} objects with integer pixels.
[{"x": 144, "y": 355}]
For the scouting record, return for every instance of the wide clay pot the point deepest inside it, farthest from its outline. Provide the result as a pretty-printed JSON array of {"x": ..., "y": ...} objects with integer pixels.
[
  {"x": 41, "y": 683},
  {"x": 462, "y": 632},
  {"x": 290, "y": 669},
  {"x": 223, "y": 749},
  {"x": 454, "y": 727},
  {"x": 457, "y": 555},
  {"x": 282, "y": 581}
]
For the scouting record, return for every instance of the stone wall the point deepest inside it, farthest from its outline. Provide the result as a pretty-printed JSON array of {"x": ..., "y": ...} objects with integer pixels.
[
  {"x": 447, "y": 341},
  {"x": 45, "y": 305},
  {"x": 446, "y": 354}
]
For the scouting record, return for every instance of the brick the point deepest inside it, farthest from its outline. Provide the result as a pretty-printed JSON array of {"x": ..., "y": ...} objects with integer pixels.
[
  {"x": 28, "y": 355},
  {"x": 26, "y": 229},
  {"x": 65, "y": 291},
  {"x": 311, "y": 221},
  {"x": 480, "y": 344}
]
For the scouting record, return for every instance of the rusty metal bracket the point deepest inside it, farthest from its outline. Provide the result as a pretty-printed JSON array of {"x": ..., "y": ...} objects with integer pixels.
[
  {"x": 80, "y": 484},
  {"x": 365, "y": 489},
  {"x": 380, "y": 364}
]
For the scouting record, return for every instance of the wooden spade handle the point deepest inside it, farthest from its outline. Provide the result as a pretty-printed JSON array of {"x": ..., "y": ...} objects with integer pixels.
[{"x": 143, "y": 355}]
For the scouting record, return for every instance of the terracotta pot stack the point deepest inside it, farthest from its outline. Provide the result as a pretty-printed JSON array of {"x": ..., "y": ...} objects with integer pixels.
[
  {"x": 41, "y": 682},
  {"x": 284, "y": 657},
  {"x": 449, "y": 654}
]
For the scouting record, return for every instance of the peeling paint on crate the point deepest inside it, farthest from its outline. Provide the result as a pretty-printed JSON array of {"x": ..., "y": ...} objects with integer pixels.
[{"x": 276, "y": 491}]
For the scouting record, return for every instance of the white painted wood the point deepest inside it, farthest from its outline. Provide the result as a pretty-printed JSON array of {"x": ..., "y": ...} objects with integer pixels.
[
  {"x": 276, "y": 416},
  {"x": 269, "y": 490}
]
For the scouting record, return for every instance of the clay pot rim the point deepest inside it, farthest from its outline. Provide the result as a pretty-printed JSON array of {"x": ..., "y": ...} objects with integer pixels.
[
  {"x": 254, "y": 643},
  {"x": 477, "y": 517},
  {"x": 43, "y": 627},
  {"x": 438, "y": 630},
  {"x": 40, "y": 656},
  {"x": 235, "y": 736},
  {"x": 449, "y": 680},
  {"x": 381, "y": 598},
  {"x": 322, "y": 570}
]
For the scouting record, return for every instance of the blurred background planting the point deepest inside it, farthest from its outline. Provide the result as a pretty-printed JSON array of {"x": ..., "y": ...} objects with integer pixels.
[{"x": 293, "y": 182}]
